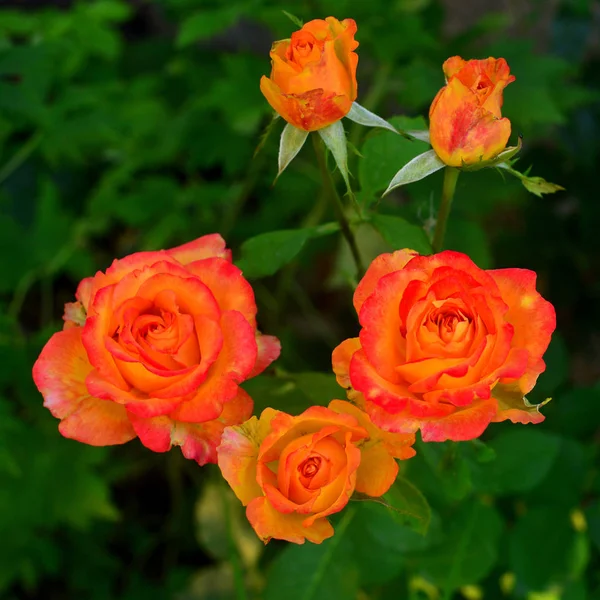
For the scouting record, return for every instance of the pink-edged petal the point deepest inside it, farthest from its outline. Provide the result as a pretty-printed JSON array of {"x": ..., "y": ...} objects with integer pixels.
[
  {"x": 381, "y": 337},
  {"x": 93, "y": 337},
  {"x": 198, "y": 441},
  {"x": 381, "y": 266},
  {"x": 60, "y": 373},
  {"x": 233, "y": 365},
  {"x": 238, "y": 454},
  {"x": 98, "y": 423},
  {"x": 207, "y": 246},
  {"x": 268, "y": 524},
  {"x": 392, "y": 397},
  {"x": 532, "y": 317},
  {"x": 464, "y": 424},
  {"x": 136, "y": 402},
  {"x": 227, "y": 284},
  {"x": 268, "y": 350}
]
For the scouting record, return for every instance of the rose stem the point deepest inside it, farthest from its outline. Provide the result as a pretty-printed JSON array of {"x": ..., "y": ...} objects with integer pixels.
[
  {"x": 449, "y": 185},
  {"x": 337, "y": 203}
]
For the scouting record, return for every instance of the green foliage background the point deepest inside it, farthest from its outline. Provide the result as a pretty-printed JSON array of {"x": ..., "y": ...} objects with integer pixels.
[{"x": 132, "y": 125}]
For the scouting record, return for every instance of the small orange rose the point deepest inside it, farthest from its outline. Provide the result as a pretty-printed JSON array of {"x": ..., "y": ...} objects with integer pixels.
[
  {"x": 155, "y": 347},
  {"x": 445, "y": 347},
  {"x": 466, "y": 124},
  {"x": 313, "y": 76},
  {"x": 292, "y": 472}
]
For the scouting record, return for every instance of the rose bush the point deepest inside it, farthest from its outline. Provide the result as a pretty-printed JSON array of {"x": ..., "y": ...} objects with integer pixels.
[
  {"x": 292, "y": 472},
  {"x": 155, "y": 347},
  {"x": 466, "y": 124},
  {"x": 313, "y": 76},
  {"x": 445, "y": 347}
]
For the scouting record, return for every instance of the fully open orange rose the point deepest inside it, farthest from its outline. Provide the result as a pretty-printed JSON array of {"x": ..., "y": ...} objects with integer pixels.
[
  {"x": 466, "y": 124},
  {"x": 313, "y": 76},
  {"x": 155, "y": 348},
  {"x": 292, "y": 472},
  {"x": 445, "y": 347}
]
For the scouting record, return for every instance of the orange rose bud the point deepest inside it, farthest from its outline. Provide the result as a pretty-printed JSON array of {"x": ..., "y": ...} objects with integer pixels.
[
  {"x": 465, "y": 120},
  {"x": 445, "y": 347},
  {"x": 155, "y": 348},
  {"x": 313, "y": 75},
  {"x": 292, "y": 472}
]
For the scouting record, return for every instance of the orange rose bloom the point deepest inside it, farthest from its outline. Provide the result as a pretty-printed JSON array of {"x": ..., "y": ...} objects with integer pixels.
[
  {"x": 313, "y": 76},
  {"x": 292, "y": 472},
  {"x": 155, "y": 348},
  {"x": 445, "y": 347},
  {"x": 466, "y": 124}
]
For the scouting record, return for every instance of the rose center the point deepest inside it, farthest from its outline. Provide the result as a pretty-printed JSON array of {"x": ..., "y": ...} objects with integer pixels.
[
  {"x": 310, "y": 467},
  {"x": 449, "y": 323}
]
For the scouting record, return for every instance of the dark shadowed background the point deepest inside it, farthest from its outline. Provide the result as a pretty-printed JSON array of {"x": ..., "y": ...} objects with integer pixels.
[{"x": 131, "y": 125}]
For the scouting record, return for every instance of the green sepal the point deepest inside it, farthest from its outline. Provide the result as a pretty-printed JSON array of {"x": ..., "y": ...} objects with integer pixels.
[
  {"x": 418, "y": 168},
  {"x": 291, "y": 142}
]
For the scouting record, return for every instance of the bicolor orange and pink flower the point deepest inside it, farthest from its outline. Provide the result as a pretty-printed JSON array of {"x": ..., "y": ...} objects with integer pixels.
[
  {"x": 155, "y": 348},
  {"x": 466, "y": 123},
  {"x": 445, "y": 347},
  {"x": 292, "y": 472},
  {"x": 313, "y": 74}
]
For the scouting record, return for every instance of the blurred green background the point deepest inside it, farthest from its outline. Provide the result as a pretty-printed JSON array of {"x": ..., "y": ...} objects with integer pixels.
[{"x": 130, "y": 125}]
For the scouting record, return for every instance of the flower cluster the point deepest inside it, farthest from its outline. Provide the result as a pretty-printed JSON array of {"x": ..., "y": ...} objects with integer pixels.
[{"x": 156, "y": 347}]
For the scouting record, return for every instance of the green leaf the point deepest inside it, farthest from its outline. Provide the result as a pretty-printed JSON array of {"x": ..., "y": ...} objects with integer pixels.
[
  {"x": 418, "y": 168},
  {"x": 365, "y": 117},
  {"x": 294, "y": 19},
  {"x": 536, "y": 185},
  {"x": 399, "y": 233},
  {"x": 291, "y": 142},
  {"x": 539, "y": 186},
  {"x": 440, "y": 469},
  {"x": 316, "y": 572},
  {"x": 524, "y": 457},
  {"x": 335, "y": 139},
  {"x": 319, "y": 388},
  {"x": 380, "y": 541},
  {"x": 384, "y": 152},
  {"x": 541, "y": 547},
  {"x": 469, "y": 551},
  {"x": 266, "y": 253},
  {"x": 408, "y": 505}
]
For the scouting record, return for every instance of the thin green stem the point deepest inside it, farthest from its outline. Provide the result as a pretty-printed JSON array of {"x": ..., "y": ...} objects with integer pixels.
[
  {"x": 20, "y": 156},
  {"x": 338, "y": 207},
  {"x": 450, "y": 178}
]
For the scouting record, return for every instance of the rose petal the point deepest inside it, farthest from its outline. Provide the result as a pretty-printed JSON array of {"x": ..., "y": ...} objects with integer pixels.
[
  {"x": 227, "y": 284},
  {"x": 381, "y": 266},
  {"x": 238, "y": 454},
  {"x": 198, "y": 441},
  {"x": 233, "y": 365},
  {"x": 60, "y": 373},
  {"x": 532, "y": 317},
  {"x": 269, "y": 348},
  {"x": 207, "y": 246},
  {"x": 268, "y": 524}
]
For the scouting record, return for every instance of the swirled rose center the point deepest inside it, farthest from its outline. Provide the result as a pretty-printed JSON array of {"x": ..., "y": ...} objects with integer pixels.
[
  {"x": 154, "y": 333},
  {"x": 309, "y": 468},
  {"x": 304, "y": 48}
]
